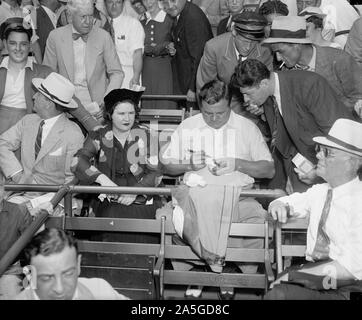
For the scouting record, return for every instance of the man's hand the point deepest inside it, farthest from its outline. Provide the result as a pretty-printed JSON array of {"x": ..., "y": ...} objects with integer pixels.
[
  {"x": 171, "y": 49},
  {"x": 280, "y": 211},
  {"x": 224, "y": 166},
  {"x": 255, "y": 110},
  {"x": 127, "y": 199},
  {"x": 134, "y": 82},
  {"x": 358, "y": 108},
  {"x": 307, "y": 178},
  {"x": 45, "y": 206},
  {"x": 191, "y": 96},
  {"x": 198, "y": 160}
]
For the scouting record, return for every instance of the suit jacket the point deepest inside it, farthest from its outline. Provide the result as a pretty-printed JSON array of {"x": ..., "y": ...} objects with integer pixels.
[
  {"x": 39, "y": 71},
  {"x": 103, "y": 69},
  {"x": 343, "y": 73},
  {"x": 309, "y": 108},
  {"x": 190, "y": 34},
  {"x": 44, "y": 26},
  {"x": 52, "y": 166},
  {"x": 354, "y": 41},
  {"x": 219, "y": 59}
]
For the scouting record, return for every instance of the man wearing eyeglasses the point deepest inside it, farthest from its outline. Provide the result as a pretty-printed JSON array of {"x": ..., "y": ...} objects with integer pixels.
[
  {"x": 334, "y": 237},
  {"x": 298, "y": 105}
]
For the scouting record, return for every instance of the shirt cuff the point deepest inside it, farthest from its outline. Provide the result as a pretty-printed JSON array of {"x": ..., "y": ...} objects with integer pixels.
[{"x": 15, "y": 173}]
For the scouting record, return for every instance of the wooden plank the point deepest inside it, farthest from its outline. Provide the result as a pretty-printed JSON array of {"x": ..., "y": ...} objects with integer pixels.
[
  {"x": 235, "y": 280},
  {"x": 117, "y": 247},
  {"x": 121, "y": 277},
  {"x": 137, "y": 294},
  {"x": 247, "y": 230},
  {"x": 295, "y": 224},
  {"x": 293, "y": 250},
  {"x": 117, "y": 260}
]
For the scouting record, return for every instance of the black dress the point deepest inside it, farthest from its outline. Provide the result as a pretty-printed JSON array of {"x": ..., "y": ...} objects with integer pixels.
[
  {"x": 157, "y": 70},
  {"x": 110, "y": 158}
]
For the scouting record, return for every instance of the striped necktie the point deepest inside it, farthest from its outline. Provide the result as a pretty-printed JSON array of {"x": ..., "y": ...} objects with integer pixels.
[
  {"x": 277, "y": 118},
  {"x": 111, "y": 30},
  {"x": 321, "y": 249},
  {"x": 38, "y": 138}
]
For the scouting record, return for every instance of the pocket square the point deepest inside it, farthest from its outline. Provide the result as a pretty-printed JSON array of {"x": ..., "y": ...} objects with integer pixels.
[{"x": 57, "y": 152}]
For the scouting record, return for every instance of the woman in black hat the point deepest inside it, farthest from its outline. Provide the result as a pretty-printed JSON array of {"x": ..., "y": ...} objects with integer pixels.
[{"x": 120, "y": 153}]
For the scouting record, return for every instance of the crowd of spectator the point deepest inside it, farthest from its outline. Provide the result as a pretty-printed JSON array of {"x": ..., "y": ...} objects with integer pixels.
[{"x": 272, "y": 79}]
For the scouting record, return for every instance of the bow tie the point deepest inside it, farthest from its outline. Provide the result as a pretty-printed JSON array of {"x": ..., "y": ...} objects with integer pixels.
[{"x": 76, "y": 36}]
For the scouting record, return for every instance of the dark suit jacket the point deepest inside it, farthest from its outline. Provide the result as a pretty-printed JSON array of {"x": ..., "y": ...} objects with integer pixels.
[
  {"x": 343, "y": 73},
  {"x": 39, "y": 71},
  {"x": 309, "y": 108},
  {"x": 190, "y": 34},
  {"x": 221, "y": 28},
  {"x": 44, "y": 26}
]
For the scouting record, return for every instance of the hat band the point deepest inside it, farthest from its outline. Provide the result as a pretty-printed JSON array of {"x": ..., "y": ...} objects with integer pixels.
[
  {"x": 52, "y": 95},
  {"x": 344, "y": 144},
  {"x": 279, "y": 33}
]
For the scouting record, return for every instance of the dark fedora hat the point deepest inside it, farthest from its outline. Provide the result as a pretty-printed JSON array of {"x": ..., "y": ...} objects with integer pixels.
[
  {"x": 250, "y": 25},
  {"x": 14, "y": 24},
  {"x": 120, "y": 95}
]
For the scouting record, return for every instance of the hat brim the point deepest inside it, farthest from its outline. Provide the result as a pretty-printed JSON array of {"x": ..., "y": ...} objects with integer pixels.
[
  {"x": 319, "y": 15},
  {"x": 37, "y": 84},
  {"x": 287, "y": 40},
  {"x": 325, "y": 141}
]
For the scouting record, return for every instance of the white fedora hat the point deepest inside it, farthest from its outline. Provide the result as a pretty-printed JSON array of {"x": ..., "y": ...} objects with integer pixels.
[
  {"x": 345, "y": 135},
  {"x": 290, "y": 29},
  {"x": 312, "y": 11},
  {"x": 58, "y": 89}
]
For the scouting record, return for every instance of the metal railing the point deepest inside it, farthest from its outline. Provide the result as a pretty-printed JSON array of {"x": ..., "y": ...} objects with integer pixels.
[{"x": 66, "y": 192}]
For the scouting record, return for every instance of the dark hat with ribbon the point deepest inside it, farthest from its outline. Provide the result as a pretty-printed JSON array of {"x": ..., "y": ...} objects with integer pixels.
[
  {"x": 14, "y": 24},
  {"x": 250, "y": 25},
  {"x": 120, "y": 95},
  {"x": 289, "y": 29}
]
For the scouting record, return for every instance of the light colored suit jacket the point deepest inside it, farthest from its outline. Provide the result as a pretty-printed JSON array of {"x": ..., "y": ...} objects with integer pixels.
[
  {"x": 219, "y": 59},
  {"x": 52, "y": 166},
  {"x": 103, "y": 69}
]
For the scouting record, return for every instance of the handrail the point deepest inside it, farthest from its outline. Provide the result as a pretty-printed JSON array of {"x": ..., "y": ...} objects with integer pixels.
[
  {"x": 23, "y": 240},
  {"x": 70, "y": 188},
  {"x": 258, "y": 193},
  {"x": 163, "y": 97}
]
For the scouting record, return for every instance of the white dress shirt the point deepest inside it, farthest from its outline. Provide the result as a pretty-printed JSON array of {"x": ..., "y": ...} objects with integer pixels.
[
  {"x": 14, "y": 95},
  {"x": 343, "y": 225},
  {"x": 80, "y": 76},
  {"x": 238, "y": 138},
  {"x": 48, "y": 125},
  {"x": 277, "y": 93},
  {"x": 129, "y": 36}
]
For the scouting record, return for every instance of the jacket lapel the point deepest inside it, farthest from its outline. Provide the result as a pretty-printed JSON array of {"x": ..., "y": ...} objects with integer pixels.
[
  {"x": 27, "y": 89},
  {"x": 52, "y": 138},
  {"x": 230, "y": 53},
  {"x": 3, "y": 73},
  {"x": 68, "y": 52}
]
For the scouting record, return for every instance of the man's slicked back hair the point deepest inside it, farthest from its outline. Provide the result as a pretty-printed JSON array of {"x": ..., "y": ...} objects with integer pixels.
[
  {"x": 249, "y": 73},
  {"x": 48, "y": 242}
]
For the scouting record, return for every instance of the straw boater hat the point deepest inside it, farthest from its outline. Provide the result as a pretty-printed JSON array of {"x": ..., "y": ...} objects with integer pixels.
[
  {"x": 312, "y": 11},
  {"x": 344, "y": 135},
  {"x": 250, "y": 25},
  {"x": 57, "y": 89},
  {"x": 290, "y": 29}
]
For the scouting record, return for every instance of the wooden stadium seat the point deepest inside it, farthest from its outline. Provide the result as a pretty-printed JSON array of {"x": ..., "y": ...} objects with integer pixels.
[{"x": 284, "y": 251}]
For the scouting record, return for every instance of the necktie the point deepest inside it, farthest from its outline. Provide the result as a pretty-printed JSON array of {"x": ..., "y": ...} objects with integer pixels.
[
  {"x": 240, "y": 59},
  {"x": 76, "y": 36},
  {"x": 38, "y": 139},
  {"x": 277, "y": 118},
  {"x": 321, "y": 249},
  {"x": 111, "y": 31}
]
